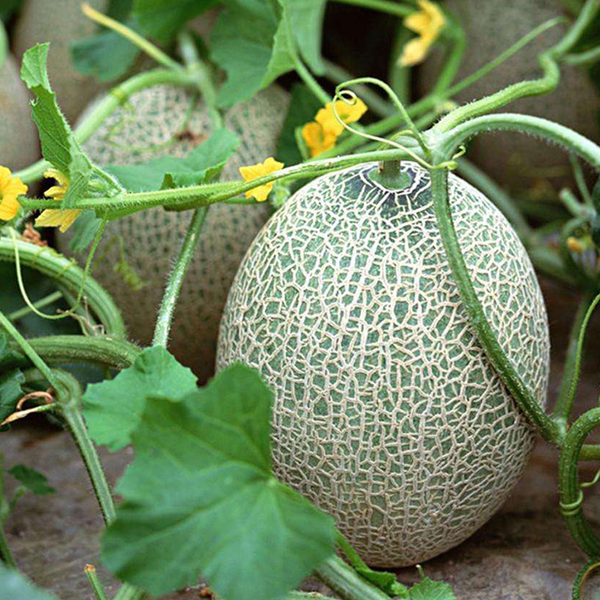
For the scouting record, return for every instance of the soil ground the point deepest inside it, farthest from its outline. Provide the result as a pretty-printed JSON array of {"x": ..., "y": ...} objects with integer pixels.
[{"x": 523, "y": 553}]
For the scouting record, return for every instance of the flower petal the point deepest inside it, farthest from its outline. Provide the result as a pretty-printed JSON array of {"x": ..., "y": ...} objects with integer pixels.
[{"x": 56, "y": 217}]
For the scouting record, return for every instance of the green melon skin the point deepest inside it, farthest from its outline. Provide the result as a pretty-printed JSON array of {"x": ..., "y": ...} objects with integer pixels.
[
  {"x": 518, "y": 161},
  {"x": 387, "y": 413},
  {"x": 19, "y": 144},
  {"x": 146, "y": 128},
  {"x": 61, "y": 23}
]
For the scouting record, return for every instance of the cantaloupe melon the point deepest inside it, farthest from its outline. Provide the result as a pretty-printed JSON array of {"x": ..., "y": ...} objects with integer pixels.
[
  {"x": 150, "y": 125},
  {"x": 61, "y": 23},
  {"x": 491, "y": 27},
  {"x": 388, "y": 414},
  {"x": 19, "y": 143}
]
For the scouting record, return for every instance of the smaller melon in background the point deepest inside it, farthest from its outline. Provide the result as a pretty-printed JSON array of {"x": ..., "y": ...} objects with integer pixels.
[
  {"x": 19, "y": 143},
  {"x": 148, "y": 126},
  {"x": 518, "y": 161},
  {"x": 61, "y": 23}
]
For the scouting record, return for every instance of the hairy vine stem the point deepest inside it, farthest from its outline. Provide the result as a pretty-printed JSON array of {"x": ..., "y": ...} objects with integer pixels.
[
  {"x": 485, "y": 333},
  {"x": 66, "y": 272},
  {"x": 571, "y": 495}
]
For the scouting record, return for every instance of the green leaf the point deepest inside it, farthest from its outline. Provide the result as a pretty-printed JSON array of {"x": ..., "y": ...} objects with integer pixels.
[
  {"x": 33, "y": 480},
  {"x": 427, "y": 589},
  {"x": 162, "y": 19},
  {"x": 105, "y": 55},
  {"x": 302, "y": 109},
  {"x": 84, "y": 230},
  {"x": 385, "y": 581},
  {"x": 202, "y": 164},
  {"x": 306, "y": 17},
  {"x": 10, "y": 392},
  {"x": 200, "y": 498},
  {"x": 59, "y": 145},
  {"x": 110, "y": 419},
  {"x": 252, "y": 44},
  {"x": 15, "y": 586}
]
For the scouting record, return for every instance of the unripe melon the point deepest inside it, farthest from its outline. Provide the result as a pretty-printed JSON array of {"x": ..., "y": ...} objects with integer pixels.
[
  {"x": 388, "y": 414},
  {"x": 19, "y": 144},
  {"x": 519, "y": 161},
  {"x": 150, "y": 125},
  {"x": 61, "y": 23}
]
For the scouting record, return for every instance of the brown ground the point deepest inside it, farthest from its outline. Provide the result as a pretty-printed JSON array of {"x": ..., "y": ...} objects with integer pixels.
[{"x": 523, "y": 553}]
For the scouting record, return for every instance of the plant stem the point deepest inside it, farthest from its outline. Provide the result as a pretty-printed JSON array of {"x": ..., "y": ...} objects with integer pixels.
[
  {"x": 137, "y": 40},
  {"x": 169, "y": 301},
  {"x": 485, "y": 333},
  {"x": 47, "y": 300},
  {"x": 452, "y": 64},
  {"x": 49, "y": 263},
  {"x": 310, "y": 81},
  {"x": 346, "y": 582},
  {"x": 385, "y": 6},
  {"x": 71, "y": 410},
  {"x": 5, "y": 553},
  {"x": 113, "y": 99},
  {"x": 27, "y": 349},
  {"x": 524, "y": 124},
  {"x": 129, "y": 592},
  {"x": 95, "y": 583},
  {"x": 72, "y": 349},
  {"x": 337, "y": 75},
  {"x": 570, "y": 490},
  {"x": 570, "y": 379}
]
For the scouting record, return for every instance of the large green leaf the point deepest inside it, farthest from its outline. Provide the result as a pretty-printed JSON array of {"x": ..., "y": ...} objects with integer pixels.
[
  {"x": 200, "y": 498},
  {"x": 14, "y": 586},
  {"x": 10, "y": 392},
  {"x": 428, "y": 589},
  {"x": 163, "y": 19},
  {"x": 306, "y": 18},
  {"x": 110, "y": 418},
  {"x": 202, "y": 164},
  {"x": 251, "y": 42}
]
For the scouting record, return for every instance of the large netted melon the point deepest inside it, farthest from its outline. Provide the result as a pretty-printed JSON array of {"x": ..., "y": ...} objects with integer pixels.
[
  {"x": 491, "y": 27},
  {"x": 388, "y": 414},
  {"x": 152, "y": 124},
  {"x": 61, "y": 23},
  {"x": 19, "y": 145}
]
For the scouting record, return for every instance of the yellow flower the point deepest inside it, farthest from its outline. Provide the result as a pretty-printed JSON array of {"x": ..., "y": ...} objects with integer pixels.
[
  {"x": 427, "y": 23},
  {"x": 317, "y": 139},
  {"x": 252, "y": 172},
  {"x": 322, "y": 133},
  {"x": 56, "y": 217},
  {"x": 10, "y": 189}
]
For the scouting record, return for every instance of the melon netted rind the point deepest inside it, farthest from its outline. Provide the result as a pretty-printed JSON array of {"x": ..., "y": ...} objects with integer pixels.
[
  {"x": 146, "y": 128},
  {"x": 491, "y": 27},
  {"x": 387, "y": 413},
  {"x": 61, "y": 23},
  {"x": 19, "y": 144}
]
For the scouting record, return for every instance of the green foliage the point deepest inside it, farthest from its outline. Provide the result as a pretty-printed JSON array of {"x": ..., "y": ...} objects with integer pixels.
[
  {"x": 202, "y": 164},
  {"x": 306, "y": 18},
  {"x": 303, "y": 108},
  {"x": 162, "y": 19},
  {"x": 155, "y": 373},
  {"x": 15, "y": 586},
  {"x": 10, "y": 392},
  {"x": 428, "y": 589},
  {"x": 200, "y": 497},
  {"x": 59, "y": 146},
  {"x": 84, "y": 231},
  {"x": 32, "y": 480},
  {"x": 105, "y": 55},
  {"x": 253, "y": 44}
]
